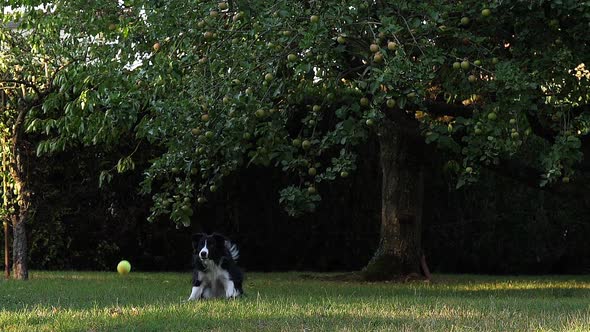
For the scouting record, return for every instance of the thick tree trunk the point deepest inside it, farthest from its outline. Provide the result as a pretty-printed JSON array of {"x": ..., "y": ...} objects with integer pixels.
[{"x": 399, "y": 249}]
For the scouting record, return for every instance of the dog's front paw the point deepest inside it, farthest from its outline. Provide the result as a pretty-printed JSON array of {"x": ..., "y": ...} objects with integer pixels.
[
  {"x": 231, "y": 293},
  {"x": 195, "y": 294}
]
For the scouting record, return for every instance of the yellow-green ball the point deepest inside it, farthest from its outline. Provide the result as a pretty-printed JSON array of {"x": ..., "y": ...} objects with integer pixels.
[{"x": 123, "y": 267}]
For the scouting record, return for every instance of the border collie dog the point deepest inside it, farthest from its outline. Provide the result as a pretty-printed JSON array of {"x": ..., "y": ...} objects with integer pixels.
[{"x": 215, "y": 274}]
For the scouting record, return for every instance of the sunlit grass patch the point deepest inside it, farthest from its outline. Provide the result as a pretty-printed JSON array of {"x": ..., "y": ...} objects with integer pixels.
[{"x": 98, "y": 301}]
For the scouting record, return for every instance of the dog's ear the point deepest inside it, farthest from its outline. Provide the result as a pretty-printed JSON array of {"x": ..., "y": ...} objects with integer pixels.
[
  {"x": 196, "y": 238},
  {"x": 219, "y": 239}
]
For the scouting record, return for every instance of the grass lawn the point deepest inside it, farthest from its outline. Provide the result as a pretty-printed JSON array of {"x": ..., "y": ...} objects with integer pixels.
[{"x": 101, "y": 301}]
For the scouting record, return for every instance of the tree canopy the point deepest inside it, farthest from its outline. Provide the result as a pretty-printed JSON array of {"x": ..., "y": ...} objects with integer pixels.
[{"x": 216, "y": 86}]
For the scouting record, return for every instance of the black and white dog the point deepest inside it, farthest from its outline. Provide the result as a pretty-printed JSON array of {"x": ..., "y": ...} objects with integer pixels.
[{"x": 215, "y": 271}]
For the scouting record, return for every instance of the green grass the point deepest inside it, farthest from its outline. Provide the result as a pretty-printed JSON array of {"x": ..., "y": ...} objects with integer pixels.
[{"x": 100, "y": 301}]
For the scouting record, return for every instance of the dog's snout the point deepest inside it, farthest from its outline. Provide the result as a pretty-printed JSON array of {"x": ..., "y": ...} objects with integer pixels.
[{"x": 204, "y": 253}]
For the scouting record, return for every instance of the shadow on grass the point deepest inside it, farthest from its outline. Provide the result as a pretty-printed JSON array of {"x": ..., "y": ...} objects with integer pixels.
[{"x": 466, "y": 285}]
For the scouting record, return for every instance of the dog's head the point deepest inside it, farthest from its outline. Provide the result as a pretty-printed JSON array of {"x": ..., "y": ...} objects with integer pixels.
[{"x": 212, "y": 247}]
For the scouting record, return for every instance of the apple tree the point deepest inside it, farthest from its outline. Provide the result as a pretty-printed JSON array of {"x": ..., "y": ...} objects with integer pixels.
[
  {"x": 217, "y": 86},
  {"x": 58, "y": 61},
  {"x": 297, "y": 85}
]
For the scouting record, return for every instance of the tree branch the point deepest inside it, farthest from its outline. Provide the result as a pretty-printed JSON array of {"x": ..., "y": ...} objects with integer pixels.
[
  {"x": 539, "y": 129},
  {"x": 25, "y": 83},
  {"x": 441, "y": 108},
  {"x": 406, "y": 122}
]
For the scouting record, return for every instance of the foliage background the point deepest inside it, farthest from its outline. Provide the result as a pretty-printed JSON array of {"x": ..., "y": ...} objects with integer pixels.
[{"x": 499, "y": 226}]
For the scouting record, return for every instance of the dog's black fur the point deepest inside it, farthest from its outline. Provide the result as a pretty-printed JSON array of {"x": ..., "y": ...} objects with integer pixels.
[{"x": 215, "y": 273}]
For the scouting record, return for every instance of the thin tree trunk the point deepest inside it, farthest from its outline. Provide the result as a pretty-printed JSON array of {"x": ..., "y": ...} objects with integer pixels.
[
  {"x": 20, "y": 269},
  {"x": 399, "y": 249},
  {"x": 19, "y": 238},
  {"x": 6, "y": 250},
  {"x": 5, "y": 203},
  {"x": 19, "y": 169}
]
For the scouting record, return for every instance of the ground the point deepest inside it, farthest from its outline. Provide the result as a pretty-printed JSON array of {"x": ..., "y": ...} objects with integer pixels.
[{"x": 103, "y": 301}]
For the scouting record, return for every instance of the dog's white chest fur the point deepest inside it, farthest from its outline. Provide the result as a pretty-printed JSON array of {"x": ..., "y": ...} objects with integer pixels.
[
  {"x": 215, "y": 282},
  {"x": 216, "y": 279}
]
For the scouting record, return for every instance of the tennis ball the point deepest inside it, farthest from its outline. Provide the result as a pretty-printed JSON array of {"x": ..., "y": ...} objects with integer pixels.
[{"x": 123, "y": 267}]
